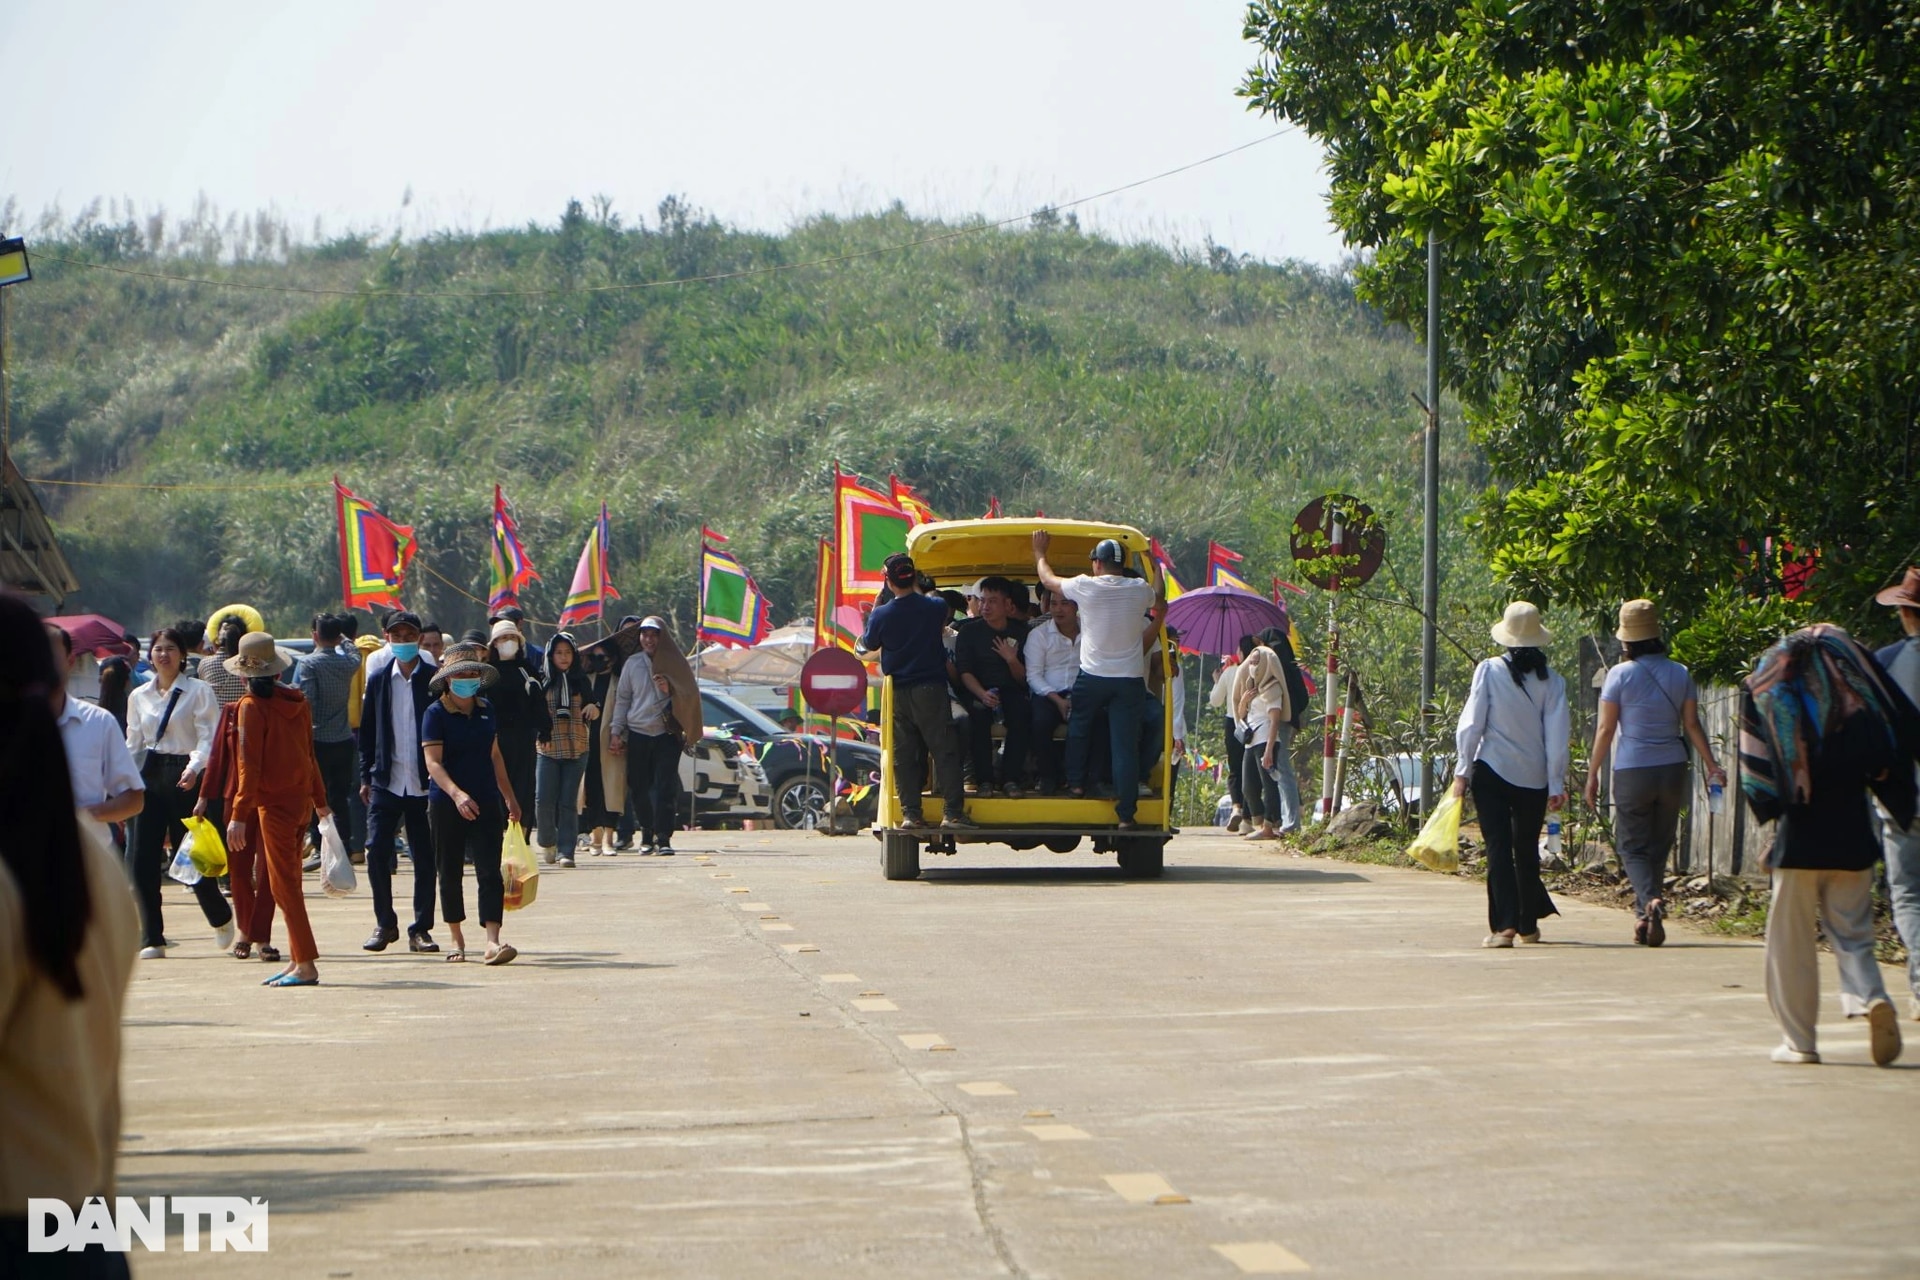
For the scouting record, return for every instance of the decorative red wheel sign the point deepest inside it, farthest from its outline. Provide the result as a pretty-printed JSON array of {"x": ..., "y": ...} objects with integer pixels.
[
  {"x": 1338, "y": 542},
  {"x": 834, "y": 683}
]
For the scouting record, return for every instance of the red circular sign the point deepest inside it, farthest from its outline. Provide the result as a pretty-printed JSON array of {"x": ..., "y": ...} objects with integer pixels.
[
  {"x": 1338, "y": 542},
  {"x": 834, "y": 683}
]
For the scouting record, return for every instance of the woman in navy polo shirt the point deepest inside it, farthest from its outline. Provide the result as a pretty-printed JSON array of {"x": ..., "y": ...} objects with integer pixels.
[{"x": 469, "y": 799}]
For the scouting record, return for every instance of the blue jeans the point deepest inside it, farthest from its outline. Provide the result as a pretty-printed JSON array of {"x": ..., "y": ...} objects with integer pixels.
[
  {"x": 556, "y": 805},
  {"x": 1124, "y": 700},
  {"x": 1280, "y": 786},
  {"x": 1903, "y": 892}
]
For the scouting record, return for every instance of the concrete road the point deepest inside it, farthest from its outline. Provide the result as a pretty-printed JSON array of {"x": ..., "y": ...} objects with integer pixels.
[{"x": 769, "y": 1061}]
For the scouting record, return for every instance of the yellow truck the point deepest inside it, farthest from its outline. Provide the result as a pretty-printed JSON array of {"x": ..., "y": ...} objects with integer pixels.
[{"x": 956, "y": 553}]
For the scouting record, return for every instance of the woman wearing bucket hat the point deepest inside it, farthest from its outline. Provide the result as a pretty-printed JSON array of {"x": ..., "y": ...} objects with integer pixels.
[
  {"x": 1649, "y": 711},
  {"x": 1513, "y": 750},
  {"x": 277, "y": 784},
  {"x": 470, "y": 798}
]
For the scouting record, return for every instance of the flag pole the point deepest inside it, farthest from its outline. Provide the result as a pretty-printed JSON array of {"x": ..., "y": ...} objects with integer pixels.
[{"x": 699, "y": 615}]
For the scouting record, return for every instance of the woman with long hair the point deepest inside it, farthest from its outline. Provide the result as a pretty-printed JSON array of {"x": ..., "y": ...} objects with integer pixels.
[
  {"x": 1513, "y": 743},
  {"x": 68, "y": 931},
  {"x": 563, "y": 750}
]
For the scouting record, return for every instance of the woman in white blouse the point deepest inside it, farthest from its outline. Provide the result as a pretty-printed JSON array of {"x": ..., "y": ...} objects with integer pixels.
[
  {"x": 170, "y": 724},
  {"x": 1264, "y": 708},
  {"x": 1513, "y": 747}
]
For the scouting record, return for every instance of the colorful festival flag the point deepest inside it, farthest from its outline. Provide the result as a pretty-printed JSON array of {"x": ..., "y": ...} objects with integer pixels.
[
  {"x": 592, "y": 580},
  {"x": 993, "y": 509},
  {"x": 374, "y": 551},
  {"x": 835, "y": 625},
  {"x": 1174, "y": 589},
  {"x": 1220, "y": 570},
  {"x": 733, "y": 611},
  {"x": 871, "y": 527},
  {"x": 511, "y": 568},
  {"x": 916, "y": 507}
]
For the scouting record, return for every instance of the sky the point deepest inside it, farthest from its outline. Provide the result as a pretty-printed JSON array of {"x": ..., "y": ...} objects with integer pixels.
[{"x": 433, "y": 115}]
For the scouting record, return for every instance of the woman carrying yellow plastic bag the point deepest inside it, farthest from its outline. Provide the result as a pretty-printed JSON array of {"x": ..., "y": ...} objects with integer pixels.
[
  {"x": 1437, "y": 847},
  {"x": 207, "y": 850}
]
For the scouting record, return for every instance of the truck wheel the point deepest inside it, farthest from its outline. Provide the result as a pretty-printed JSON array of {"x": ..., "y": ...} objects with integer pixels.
[
  {"x": 1142, "y": 857},
  {"x": 900, "y": 856},
  {"x": 1063, "y": 844},
  {"x": 800, "y": 803}
]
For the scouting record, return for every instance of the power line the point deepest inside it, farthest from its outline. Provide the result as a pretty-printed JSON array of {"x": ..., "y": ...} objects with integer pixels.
[
  {"x": 714, "y": 278},
  {"x": 200, "y": 488}
]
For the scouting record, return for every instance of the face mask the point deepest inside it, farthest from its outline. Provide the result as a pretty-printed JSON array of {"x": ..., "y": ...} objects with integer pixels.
[
  {"x": 507, "y": 649},
  {"x": 464, "y": 688},
  {"x": 406, "y": 652}
]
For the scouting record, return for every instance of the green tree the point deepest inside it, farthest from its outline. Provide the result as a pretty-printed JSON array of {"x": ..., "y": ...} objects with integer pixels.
[{"x": 1679, "y": 304}]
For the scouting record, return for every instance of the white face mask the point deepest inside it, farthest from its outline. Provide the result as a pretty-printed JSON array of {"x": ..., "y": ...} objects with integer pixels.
[{"x": 507, "y": 649}]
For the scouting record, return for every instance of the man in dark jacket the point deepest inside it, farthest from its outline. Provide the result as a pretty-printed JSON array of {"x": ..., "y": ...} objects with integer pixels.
[
  {"x": 1902, "y": 843},
  {"x": 393, "y": 782},
  {"x": 908, "y": 632}
]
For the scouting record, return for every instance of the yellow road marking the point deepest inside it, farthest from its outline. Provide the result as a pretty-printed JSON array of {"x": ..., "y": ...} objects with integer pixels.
[
  {"x": 739, "y": 890},
  {"x": 776, "y": 926},
  {"x": 1262, "y": 1258},
  {"x": 798, "y": 947},
  {"x": 1057, "y": 1132},
  {"x": 876, "y": 1006},
  {"x": 920, "y": 1040},
  {"x": 1140, "y": 1188},
  {"x": 755, "y": 906},
  {"x": 987, "y": 1089}
]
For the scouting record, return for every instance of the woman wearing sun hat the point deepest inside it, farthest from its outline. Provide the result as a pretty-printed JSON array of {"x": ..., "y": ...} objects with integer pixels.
[
  {"x": 1513, "y": 751},
  {"x": 1649, "y": 711},
  {"x": 470, "y": 799},
  {"x": 277, "y": 784}
]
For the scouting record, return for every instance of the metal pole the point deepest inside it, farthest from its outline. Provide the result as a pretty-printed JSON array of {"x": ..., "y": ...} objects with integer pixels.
[
  {"x": 1327, "y": 741},
  {"x": 1430, "y": 568}
]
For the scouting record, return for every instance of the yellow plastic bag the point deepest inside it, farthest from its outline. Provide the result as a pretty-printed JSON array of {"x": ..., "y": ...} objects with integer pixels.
[
  {"x": 518, "y": 869},
  {"x": 209, "y": 851},
  {"x": 1437, "y": 847}
]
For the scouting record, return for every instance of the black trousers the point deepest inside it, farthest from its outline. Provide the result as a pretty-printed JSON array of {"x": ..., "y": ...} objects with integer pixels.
[
  {"x": 653, "y": 783},
  {"x": 518, "y": 751},
  {"x": 340, "y": 774},
  {"x": 384, "y": 818},
  {"x": 1049, "y": 757},
  {"x": 922, "y": 727},
  {"x": 454, "y": 837},
  {"x": 1236, "y": 769},
  {"x": 160, "y": 817},
  {"x": 1016, "y": 713},
  {"x": 1511, "y": 818}
]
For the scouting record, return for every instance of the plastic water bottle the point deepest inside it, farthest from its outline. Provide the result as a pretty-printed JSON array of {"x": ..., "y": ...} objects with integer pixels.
[
  {"x": 1716, "y": 798},
  {"x": 1553, "y": 833}
]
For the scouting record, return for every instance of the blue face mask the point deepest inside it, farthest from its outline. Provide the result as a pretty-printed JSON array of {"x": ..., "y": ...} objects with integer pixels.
[
  {"x": 464, "y": 688},
  {"x": 406, "y": 652}
]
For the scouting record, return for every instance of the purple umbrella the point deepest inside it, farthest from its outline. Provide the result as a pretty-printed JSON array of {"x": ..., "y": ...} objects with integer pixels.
[{"x": 1212, "y": 619}]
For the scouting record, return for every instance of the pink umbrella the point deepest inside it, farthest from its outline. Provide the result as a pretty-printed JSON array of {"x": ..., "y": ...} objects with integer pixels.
[{"x": 100, "y": 636}]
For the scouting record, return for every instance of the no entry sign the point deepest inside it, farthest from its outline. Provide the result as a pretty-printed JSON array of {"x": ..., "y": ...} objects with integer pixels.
[{"x": 834, "y": 683}]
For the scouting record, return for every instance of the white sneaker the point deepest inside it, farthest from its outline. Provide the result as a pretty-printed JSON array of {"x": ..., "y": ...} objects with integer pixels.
[
  {"x": 1788, "y": 1054},
  {"x": 549, "y": 854},
  {"x": 1533, "y": 937},
  {"x": 153, "y": 953},
  {"x": 1884, "y": 1029},
  {"x": 1497, "y": 940},
  {"x": 223, "y": 936}
]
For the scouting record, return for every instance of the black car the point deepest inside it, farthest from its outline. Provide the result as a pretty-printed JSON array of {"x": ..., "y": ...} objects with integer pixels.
[{"x": 795, "y": 763}]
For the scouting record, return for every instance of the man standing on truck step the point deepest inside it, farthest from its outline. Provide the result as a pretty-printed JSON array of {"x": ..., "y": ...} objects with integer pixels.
[
  {"x": 1113, "y": 668},
  {"x": 908, "y": 631}
]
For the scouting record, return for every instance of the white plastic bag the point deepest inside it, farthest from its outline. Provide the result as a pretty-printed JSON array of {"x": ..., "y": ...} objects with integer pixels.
[
  {"x": 182, "y": 868},
  {"x": 336, "y": 872}
]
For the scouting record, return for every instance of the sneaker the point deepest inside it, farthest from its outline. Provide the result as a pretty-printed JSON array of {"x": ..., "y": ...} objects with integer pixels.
[
  {"x": 622, "y": 844},
  {"x": 1236, "y": 822},
  {"x": 646, "y": 850},
  {"x": 913, "y": 822},
  {"x": 958, "y": 818},
  {"x": 153, "y": 953},
  {"x": 549, "y": 854},
  {"x": 1012, "y": 791},
  {"x": 224, "y": 935},
  {"x": 1531, "y": 938},
  {"x": 1788, "y": 1054},
  {"x": 357, "y": 858},
  {"x": 1656, "y": 930},
  {"x": 567, "y": 860},
  {"x": 1884, "y": 1028},
  {"x": 311, "y": 864},
  {"x": 663, "y": 850},
  {"x": 1497, "y": 940}
]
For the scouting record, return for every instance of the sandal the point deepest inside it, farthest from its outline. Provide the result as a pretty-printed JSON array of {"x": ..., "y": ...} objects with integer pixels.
[
  {"x": 270, "y": 954},
  {"x": 502, "y": 954},
  {"x": 243, "y": 950},
  {"x": 457, "y": 955}
]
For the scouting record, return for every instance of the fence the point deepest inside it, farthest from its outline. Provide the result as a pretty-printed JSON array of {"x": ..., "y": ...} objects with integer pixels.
[{"x": 1729, "y": 843}]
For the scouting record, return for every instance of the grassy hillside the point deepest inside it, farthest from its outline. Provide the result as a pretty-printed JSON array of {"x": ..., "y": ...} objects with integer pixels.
[{"x": 1196, "y": 395}]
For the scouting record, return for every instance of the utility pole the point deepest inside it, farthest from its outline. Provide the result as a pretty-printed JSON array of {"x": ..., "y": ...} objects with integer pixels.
[{"x": 1430, "y": 571}]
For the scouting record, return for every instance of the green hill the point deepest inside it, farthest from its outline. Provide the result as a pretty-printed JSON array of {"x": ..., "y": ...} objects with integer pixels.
[{"x": 1198, "y": 395}]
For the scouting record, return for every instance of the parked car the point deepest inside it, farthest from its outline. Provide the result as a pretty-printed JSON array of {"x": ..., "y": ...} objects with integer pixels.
[
  {"x": 794, "y": 764},
  {"x": 725, "y": 781}
]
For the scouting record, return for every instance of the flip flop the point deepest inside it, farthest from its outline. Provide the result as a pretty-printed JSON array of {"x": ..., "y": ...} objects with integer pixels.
[
  {"x": 290, "y": 980},
  {"x": 502, "y": 954},
  {"x": 457, "y": 956}
]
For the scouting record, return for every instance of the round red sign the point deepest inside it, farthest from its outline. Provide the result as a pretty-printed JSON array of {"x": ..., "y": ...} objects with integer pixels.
[{"x": 834, "y": 683}]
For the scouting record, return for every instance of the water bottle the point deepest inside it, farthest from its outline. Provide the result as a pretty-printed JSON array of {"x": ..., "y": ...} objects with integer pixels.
[
  {"x": 1716, "y": 798},
  {"x": 1553, "y": 833}
]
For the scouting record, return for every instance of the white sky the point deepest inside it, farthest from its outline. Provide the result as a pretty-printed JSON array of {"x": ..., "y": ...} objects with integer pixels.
[{"x": 494, "y": 114}]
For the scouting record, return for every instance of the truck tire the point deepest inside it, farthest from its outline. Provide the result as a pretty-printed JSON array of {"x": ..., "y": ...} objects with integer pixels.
[
  {"x": 1142, "y": 857},
  {"x": 900, "y": 856},
  {"x": 1063, "y": 844}
]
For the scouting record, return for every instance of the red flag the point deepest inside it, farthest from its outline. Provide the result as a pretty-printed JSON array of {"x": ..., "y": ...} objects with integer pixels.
[
  {"x": 710, "y": 536},
  {"x": 374, "y": 551}
]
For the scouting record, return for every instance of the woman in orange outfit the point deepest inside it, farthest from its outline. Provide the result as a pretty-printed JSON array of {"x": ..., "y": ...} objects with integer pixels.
[{"x": 279, "y": 781}]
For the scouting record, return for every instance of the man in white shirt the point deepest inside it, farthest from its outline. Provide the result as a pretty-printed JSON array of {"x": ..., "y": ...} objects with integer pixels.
[
  {"x": 1114, "y": 616},
  {"x": 1053, "y": 664},
  {"x": 106, "y": 784},
  {"x": 393, "y": 781}
]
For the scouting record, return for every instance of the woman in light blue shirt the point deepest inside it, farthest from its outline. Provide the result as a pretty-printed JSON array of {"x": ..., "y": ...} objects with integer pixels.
[
  {"x": 1649, "y": 710},
  {"x": 1513, "y": 751}
]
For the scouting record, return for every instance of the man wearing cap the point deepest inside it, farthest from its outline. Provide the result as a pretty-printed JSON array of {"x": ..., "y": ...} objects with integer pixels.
[
  {"x": 909, "y": 631},
  {"x": 642, "y": 732},
  {"x": 1114, "y": 611},
  {"x": 1902, "y": 844},
  {"x": 393, "y": 781}
]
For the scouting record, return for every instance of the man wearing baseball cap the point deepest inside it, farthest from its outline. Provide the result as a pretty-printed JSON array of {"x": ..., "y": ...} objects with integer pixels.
[
  {"x": 1114, "y": 611},
  {"x": 909, "y": 633}
]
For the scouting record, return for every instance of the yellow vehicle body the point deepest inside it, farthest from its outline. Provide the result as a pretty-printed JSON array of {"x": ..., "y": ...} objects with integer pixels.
[{"x": 956, "y": 553}]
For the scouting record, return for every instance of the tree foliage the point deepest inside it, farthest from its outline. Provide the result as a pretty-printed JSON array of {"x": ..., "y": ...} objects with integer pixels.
[{"x": 1680, "y": 300}]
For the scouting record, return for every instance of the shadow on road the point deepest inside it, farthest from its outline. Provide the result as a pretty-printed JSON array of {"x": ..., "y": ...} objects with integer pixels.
[
  {"x": 309, "y": 1190},
  {"x": 1112, "y": 876}
]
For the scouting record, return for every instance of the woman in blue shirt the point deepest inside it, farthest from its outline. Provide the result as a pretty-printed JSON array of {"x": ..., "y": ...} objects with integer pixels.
[
  {"x": 469, "y": 798},
  {"x": 1649, "y": 710},
  {"x": 1513, "y": 747}
]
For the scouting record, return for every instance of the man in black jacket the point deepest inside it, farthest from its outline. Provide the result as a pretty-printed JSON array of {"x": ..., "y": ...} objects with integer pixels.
[{"x": 393, "y": 782}]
